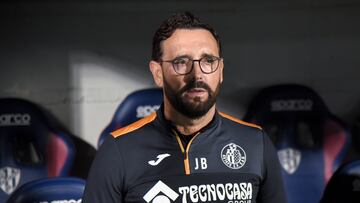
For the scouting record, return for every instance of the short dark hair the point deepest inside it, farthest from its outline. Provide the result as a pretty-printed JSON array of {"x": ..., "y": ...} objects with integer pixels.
[{"x": 184, "y": 20}]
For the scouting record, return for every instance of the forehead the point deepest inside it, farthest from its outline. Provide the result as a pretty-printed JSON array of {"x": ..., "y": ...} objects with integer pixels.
[{"x": 194, "y": 42}]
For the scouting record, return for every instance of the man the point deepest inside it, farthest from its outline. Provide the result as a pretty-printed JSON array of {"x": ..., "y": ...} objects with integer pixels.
[{"x": 187, "y": 151}]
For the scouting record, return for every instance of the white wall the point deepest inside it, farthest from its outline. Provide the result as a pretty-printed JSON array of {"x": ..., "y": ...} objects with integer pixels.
[
  {"x": 81, "y": 59},
  {"x": 100, "y": 84}
]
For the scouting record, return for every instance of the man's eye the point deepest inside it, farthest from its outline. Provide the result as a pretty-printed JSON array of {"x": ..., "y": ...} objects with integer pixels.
[
  {"x": 209, "y": 59},
  {"x": 180, "y": 61}
]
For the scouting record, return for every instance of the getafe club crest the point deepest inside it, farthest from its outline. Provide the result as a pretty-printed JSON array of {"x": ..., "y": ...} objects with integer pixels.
[
  {"x": 289, "y": 159},
  {"x": 9, "y": 179},
  {"x": 233, "y": 156}
]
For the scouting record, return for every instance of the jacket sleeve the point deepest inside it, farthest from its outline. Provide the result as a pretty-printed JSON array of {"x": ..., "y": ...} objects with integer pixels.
[
  {"x": 105, "y": 180},
  {"x": 272, "y": 186}
]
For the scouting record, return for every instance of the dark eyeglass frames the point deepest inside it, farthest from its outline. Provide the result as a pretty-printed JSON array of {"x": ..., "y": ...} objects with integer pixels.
[{"x": 184, "y": 65}]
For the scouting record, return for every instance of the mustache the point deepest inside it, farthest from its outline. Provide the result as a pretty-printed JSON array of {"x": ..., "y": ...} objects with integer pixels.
[{"x": 195, "y": 84}]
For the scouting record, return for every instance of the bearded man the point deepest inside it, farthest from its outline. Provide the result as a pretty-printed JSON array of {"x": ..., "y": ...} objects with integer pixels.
[{"x": 187, "y": 151}]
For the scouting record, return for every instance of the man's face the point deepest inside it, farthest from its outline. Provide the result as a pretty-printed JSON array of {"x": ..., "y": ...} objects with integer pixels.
[{"x": 195, "y": 93}]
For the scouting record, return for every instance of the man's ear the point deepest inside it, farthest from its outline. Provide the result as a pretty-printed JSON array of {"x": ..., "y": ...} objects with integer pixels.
[
  {"x": 157, "y": 73},
  {"x": 221, "y": 70}
]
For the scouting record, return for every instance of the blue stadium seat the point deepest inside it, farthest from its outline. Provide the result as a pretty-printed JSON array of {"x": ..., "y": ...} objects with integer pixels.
[
  {"x": 311, "y": 142},
  {"x": 136, "y": 105},
  {"x": 344, "y": 185},
  {"x": 29, "y": 148},
  {"x": 61, "y": 189}
]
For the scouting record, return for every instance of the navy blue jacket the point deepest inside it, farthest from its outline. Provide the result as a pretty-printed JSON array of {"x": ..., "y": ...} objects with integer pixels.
[{"x": 227, "y": 161}]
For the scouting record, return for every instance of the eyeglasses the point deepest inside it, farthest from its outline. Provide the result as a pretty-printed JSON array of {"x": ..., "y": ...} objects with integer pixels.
[{"x": 184, "y": 65}]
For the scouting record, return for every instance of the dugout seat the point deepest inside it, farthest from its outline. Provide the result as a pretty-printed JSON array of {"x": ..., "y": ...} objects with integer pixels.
[
  {"x": 311, "y": 142},
  {"x": 344, "y": 185},
  {"x": 29, "y": 148},
  {"x": 60, "y": 189},
  {"x": 136, "y": 105}
]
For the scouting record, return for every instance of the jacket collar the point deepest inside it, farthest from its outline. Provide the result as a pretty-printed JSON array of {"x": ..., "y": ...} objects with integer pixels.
[{"x": 169, "y": 126}]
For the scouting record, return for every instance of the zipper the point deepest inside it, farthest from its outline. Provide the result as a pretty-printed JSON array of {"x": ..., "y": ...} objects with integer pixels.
[{"x": 185, "y": 151}]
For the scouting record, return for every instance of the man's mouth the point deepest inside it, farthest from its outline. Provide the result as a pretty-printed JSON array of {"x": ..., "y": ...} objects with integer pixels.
[{"x": 196, "y": 92}]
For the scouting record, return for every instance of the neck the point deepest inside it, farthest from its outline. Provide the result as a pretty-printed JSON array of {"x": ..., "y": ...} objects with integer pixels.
[{"x": 184, "y": 124}]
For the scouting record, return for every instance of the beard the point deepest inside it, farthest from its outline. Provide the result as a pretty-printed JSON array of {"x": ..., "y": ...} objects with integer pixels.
[{"x": 191, "y": 108}]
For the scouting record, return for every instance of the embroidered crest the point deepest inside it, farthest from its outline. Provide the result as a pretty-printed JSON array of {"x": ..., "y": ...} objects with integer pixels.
[
  {"x": 233, "y": 156},
  {"x": 289, "y": 159},
  {"x": 9, "y": 179}
]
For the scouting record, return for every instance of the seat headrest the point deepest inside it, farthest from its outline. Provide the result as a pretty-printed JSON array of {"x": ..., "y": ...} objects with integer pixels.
[
  {"x": 290, "y": 109},
  {"x": 18, "y": 113},
  {"x": 289, "y": 98},
  {"x": 50, "y": 190},
  {"x": 344, "y": 185},
  {"x": 136, "y": 105}
]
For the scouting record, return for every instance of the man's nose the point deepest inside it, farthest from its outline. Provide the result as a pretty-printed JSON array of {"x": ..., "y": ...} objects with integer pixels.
[{"x": 196, "y": 70}]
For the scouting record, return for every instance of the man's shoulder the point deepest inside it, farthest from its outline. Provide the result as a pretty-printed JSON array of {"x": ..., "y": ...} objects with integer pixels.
[
  {"x": 134, "y": 127},
  {"x": 239, "y": 122}
]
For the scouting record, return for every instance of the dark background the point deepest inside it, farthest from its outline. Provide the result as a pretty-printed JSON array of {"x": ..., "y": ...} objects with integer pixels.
[{"x": 79, "y": 59}]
